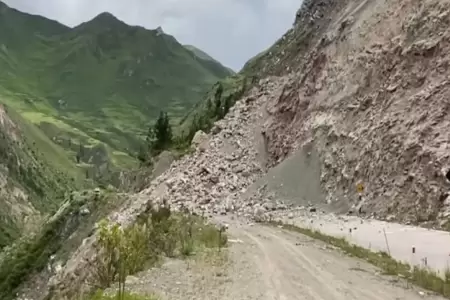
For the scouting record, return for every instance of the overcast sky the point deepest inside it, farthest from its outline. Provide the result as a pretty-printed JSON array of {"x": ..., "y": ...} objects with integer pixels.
[{"x": 231, "y": 31}]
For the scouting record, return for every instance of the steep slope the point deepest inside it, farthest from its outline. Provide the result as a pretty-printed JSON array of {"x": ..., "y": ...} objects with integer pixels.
[
  {"x": 368, "y": 94},
  {"x": 31, "y": 184},
  {"x": 101, "y": 82}
]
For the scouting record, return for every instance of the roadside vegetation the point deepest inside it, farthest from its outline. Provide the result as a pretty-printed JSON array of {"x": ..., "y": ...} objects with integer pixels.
[
  {"x": 57, "y": 237},
  {"x": 156, "y": 234},
  {"x": 420, "y": 276}
]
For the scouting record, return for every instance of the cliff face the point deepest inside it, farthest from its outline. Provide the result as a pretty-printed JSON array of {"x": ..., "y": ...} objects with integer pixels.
[
  {"x": 29, "y": 186},
  {"x": 369, "y": 89},
  {"x": 16, "y": 207}
]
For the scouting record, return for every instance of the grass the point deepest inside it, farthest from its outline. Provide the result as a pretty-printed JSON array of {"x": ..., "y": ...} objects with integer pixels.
[
  {"x": 420, "y": 276},
  {"x": 101, "y": 82}
]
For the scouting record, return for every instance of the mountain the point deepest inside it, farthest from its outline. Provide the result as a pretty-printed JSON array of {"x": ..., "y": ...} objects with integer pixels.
[
  {"x": 205, "y": 56},
  {"x": 95, "y": 88},
  {"x": 75, "y": 104}
]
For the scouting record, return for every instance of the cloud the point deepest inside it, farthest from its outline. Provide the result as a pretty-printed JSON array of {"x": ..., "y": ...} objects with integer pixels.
[{"x": 232, "y": 31}]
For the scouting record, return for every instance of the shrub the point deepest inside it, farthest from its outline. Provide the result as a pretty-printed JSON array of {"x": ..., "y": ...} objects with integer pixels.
[{"x": 159, "y": 232}]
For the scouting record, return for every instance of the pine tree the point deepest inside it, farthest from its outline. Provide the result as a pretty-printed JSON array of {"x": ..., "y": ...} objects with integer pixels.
[{"x": 160, "y": 136}]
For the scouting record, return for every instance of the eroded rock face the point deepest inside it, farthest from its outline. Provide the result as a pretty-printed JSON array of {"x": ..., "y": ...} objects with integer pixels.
[{"x": 373, "y": 100}]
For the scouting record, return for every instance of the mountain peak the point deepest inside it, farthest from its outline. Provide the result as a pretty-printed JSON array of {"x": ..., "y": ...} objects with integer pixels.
[
  {"x": 106, "y": 18},
  {"x": 102, "y": 21}
]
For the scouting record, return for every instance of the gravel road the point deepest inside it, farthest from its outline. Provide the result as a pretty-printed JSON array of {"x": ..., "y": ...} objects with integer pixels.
[
  {"x": 432, "y": 246},
  {"x": 271, "y": 263}
]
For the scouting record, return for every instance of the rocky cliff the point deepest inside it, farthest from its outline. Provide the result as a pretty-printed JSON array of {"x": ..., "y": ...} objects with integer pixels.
[{"x": 369, "y": 90}]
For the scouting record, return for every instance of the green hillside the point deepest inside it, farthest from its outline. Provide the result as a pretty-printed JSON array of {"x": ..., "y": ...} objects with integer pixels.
[
  {"x": 98, "y": 85},
  {"x": 205, "y": 56}
]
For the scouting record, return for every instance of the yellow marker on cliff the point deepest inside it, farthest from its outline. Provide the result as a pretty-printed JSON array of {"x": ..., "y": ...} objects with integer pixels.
[{"x": 360, "y": 187}]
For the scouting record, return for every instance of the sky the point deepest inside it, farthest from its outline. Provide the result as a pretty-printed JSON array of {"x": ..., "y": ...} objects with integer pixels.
[{"x": 231, "y": 31}]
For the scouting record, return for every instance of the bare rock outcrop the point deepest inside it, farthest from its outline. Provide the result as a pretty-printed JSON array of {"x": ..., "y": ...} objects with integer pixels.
[{"x": 373, "y": 99}]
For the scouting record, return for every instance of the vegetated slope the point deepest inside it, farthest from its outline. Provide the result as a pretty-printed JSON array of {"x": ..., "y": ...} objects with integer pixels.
[
  {"x": 58, "y": 236},
  {"x": 368, "y": 92},
  {"x": 213, "y": 106},
  {"x": 100, "y": 82},
  {"x": 205, "y": 56},
  {"x": 31, "y": 185}
]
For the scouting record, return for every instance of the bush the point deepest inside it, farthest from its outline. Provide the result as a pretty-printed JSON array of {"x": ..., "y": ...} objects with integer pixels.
[{"x": 159, "y": 232}]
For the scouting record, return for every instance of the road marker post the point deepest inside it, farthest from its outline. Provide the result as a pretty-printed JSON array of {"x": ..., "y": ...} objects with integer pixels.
[{"x": 387, "y": 243}]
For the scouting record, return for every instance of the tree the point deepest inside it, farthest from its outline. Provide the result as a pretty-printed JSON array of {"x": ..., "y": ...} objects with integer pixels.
[
  {"x": 160, "y": 136},
  {"x": 143, "y": 154},
  {"x": 227, "y": 105},
  {"x": 218, "y": 109},
  {"x": 219, "y": 91},
  {"x": 209, "y": 107}
]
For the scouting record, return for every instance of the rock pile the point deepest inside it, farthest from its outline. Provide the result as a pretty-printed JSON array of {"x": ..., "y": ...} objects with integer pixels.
[{"x": 224, "y": 164}]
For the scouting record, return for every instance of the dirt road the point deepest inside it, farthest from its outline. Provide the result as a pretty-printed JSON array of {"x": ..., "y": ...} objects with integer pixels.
[
  {"x": 434, "y": 245},
  {"x": 270, "y": 263},
  {"x": 293, "y": 266}
]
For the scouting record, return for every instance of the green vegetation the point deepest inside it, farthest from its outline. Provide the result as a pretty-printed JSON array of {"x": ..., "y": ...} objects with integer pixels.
[
  {"x": 101, "y": 82},
  {"x": 420, "y": 276},
  {"x": 81, "y": 100},
  {"x": 159, "y": 138},
  {"x": 157, "y": 233},
  {"x": 222, "y": 72},
  {"x": 59, "y": 236},
  {"x": 214, "y": 106}
]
